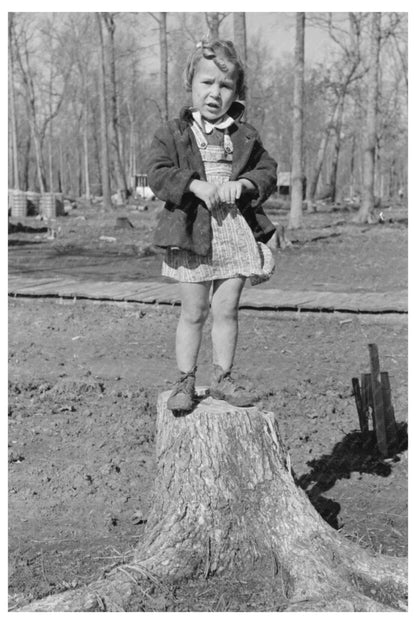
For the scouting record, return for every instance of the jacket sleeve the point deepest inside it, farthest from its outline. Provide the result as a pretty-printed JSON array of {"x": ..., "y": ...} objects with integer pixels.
[
  {"x": 168, "y": 181},
  {"x": 261, "y": 171}
]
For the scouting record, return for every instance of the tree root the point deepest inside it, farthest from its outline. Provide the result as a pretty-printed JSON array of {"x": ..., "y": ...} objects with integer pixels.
[{"x": 103, "y": 595}]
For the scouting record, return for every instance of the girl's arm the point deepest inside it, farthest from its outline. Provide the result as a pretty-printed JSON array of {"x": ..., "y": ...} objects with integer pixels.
[
  {"x": 168, "y": 181},
  {"x": 260, "y": 172}
]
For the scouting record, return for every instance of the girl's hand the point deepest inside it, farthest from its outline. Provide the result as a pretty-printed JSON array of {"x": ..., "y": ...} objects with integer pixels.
[
  {"x": 229, "y": 192},
  {"x": 206, "y": 191}
]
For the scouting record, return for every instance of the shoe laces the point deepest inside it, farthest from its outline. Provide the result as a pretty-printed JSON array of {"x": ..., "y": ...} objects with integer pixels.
[
  {"x": 232, "y": 381},
  {"x": 186, "y": 382}
]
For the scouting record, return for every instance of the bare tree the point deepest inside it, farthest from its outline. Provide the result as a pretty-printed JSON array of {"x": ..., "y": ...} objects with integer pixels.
[
  {"x": 25, "y": 69},
  {"x": 43, "y": 99},
  {"x": 13, "y": 123},
  {"x": 240, "y": 35},
  {"x": 240, "y": 40},
  {"x": 105, "y": 165},
  {"x": 346, "y": 70},
  {"x": 296, "y": 199},
  {"x": 46, "y": 47},
  {"x": 163, "y": 48},
  {"x": 214, "y": 21},
  {"x": 109, "y": 22},
  {"x": 370, "y": 138},
  {"x": 80, "y": 58}
]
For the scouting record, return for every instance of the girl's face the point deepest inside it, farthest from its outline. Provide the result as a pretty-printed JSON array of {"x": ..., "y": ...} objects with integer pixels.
[{"x": 213, "y": 91}]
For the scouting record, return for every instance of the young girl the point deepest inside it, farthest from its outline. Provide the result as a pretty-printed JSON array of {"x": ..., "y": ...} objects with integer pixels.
[{"x": 213, "y": 172}]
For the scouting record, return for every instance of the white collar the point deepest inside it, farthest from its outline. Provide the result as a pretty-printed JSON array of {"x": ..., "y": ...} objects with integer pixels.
[{"x": 208, "y": 127}]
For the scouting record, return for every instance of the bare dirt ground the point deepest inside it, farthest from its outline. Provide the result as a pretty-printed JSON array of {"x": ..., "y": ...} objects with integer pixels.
[
  {"x": 329, "y": 253},
  {"x": 84, "y": 378}
]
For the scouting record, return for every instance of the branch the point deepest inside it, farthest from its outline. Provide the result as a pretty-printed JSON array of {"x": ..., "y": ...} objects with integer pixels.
[{"x": 154, "y": 17}]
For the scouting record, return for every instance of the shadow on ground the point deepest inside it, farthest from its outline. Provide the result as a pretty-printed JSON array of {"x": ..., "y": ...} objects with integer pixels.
[{"x": 357, "y": 452}]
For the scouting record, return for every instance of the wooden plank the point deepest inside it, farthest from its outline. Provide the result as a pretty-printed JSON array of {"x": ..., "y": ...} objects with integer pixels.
[
  {"x": 273, "y": 298},
  {"x": 159, "y": 295},
  {"x": 94, "y": 290},
  {"x": 145, "y": 299},
  {"x": 384, "y": 302},
  {"x": 320, "y": 301},
  {"x": 390, "y": 422},
  {"x": 252, "y": 297},
  {"x": 150, "y": 289},
  {"x": 362, "y": 415},
  {"x": 121, "y": 291},
  {"x": 367, "y": 397},
  {"x": 155, "y": 288},
  {"x": 378, "y": 404},
  {"x": 50, "y": 288},
  {"x": 68, "y": 288},
  {"x": 21, "y": 284}
]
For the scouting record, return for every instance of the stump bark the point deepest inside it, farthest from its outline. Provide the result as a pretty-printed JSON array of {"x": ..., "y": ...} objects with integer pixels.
[{"x": 225, "y": 502}]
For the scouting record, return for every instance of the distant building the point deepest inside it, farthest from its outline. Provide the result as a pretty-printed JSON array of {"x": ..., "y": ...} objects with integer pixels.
[
  {"x": 140, "y": 186},
  {"x": 284, "y": 183}
]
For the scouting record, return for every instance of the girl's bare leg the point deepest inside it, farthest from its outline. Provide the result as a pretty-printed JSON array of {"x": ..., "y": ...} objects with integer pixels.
[
  {"x": 224, "y": 306},
  {"x": 194, "y": 312}
]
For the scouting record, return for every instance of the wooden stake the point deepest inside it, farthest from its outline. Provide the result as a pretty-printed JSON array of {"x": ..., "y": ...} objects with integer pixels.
[
  {"x": 362, "y": 415},
  {"x": 378, "y": 404},
  {"x": 367, "y": 398},
  {"x": 390, "y": 423}
]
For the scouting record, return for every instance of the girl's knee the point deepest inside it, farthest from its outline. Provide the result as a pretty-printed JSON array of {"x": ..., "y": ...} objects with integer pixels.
[
  {"x": 195, "y": 314},
  {"x": 194, "y": 303},
  {"x": 225, "y": 311}
]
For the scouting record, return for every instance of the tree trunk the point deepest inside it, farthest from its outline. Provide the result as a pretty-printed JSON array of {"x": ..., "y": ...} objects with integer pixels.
[
  {"x": 163, "y": 41},
  {"x": 118, "y": 165},
  {"x": 370, "y": 136},
  {"x": 25, "y": 182},
  {"x": 105, "y": 166},
  {"x": 39, "y": 159},
  {"x": 13, "y": 124},
  {"x": 312, "y": 182},
  {"x": 240, "y": 36},
  {"x": 333, "y": 167},
  {"x": 60, "y": 170},
  {"x": 225, "y": 502},
  {"x": 352, "y": 165},
  {"x": 240, "y": 40},
  {"x": 296, "y": 198},
  {"x": 213, "y": 22},
  {"x": 87, "y": 186},
  {"x": 50, "y": 160}
]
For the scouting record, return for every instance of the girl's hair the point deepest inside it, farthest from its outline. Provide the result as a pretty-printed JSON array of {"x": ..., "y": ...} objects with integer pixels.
[{"x": 216, "y": 50}]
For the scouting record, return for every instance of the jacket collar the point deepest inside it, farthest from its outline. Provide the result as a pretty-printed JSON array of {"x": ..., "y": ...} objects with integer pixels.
[
  {"x": 236, "y": 111},
  {"x": 243, "y": 138}
]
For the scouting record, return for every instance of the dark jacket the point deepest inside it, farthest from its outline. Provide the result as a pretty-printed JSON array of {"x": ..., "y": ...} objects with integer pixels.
[{"x": 174, "y": 161}]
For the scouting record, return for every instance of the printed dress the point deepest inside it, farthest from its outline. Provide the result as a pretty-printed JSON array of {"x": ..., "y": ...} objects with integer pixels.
[{"x": 234, "y": 250}]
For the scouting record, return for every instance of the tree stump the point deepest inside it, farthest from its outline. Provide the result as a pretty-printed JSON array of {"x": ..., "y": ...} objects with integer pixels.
[{"x": 225, "y": 502}]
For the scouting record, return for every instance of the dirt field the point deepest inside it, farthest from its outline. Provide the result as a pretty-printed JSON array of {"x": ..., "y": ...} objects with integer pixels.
[{"x": 84, "y": 377}]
